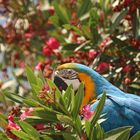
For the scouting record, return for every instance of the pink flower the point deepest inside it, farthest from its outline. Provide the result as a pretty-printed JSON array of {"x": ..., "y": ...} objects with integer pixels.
[
  {"x": 92, "y": 54},
  {"x": 53, "y": 43},
  {"x": 39, "y": 66},
  {"x": 127, "y": 2},
  {"x": 127, "y": 81},
  {"x": 104, "y": 43},
  {"x": 51, "y": 11},
  {"x": 28, "y": 35},
  {"x": 11, "y": 126},
  {"x": 10, "y": 118},
  {"x": 40, "y": 126},
  {"x": 102, "y": 67},
  {"x": 86, "y": 112},
  {"x": 47, "y": 51},
  {"x": 59, "y": 126},
  {"x": 128, "y": 68},
  {"x": 26, "y": 113},
  {"x": 22, "y": 64}
]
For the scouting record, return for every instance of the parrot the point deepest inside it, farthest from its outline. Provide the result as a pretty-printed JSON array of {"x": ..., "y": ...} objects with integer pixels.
[{"x": 121, "y": 109}]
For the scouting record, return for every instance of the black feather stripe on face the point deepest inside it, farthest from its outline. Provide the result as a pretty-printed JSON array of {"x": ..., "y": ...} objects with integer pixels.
[{"x": 60, "y": 83}]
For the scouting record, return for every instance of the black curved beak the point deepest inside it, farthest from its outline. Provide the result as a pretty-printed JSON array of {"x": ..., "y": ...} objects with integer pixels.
[{"x": 59, "y": 82}]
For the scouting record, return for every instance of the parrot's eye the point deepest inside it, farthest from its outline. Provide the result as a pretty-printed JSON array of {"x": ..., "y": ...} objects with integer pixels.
[
  {"x": 68, "y": 74},
  {"x": 69, "y": 71}
]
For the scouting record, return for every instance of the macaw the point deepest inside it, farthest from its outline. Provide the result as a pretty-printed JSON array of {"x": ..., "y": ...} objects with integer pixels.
[{"x": 121, "y": 109}]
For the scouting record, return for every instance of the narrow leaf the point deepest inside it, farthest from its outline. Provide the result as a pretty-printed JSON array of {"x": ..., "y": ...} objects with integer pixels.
[
  {"x": 21, "y": 134},
  {"x": 65, "y": 119},
  {"x": 62, "y": 13},
  {"x": 87, "y": 128},
  {"x": 125, "y": 135},
  {"x": 67, "y": 96},
  {"x": 78, "y": 100},
  {"x": 117, "y": 20},
  {"x": 30, "y": 76},
  {"x": 136, "y": 136},
  {"x": 115, "y": 133},
  {"x": 14, "y": 97},
  {"x": 3, "y": 136},
  {"x": 85, "y": 6},
  {"x": 98, "y": 110},
  {"x": 31, "y": 131}
]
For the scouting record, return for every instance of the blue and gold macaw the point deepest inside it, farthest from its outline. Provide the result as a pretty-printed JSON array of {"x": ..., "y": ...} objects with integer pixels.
[{"x": 120, "y": 108}]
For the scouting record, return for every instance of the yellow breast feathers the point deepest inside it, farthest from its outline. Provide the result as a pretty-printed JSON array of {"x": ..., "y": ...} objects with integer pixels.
[{"x": 89, "y": 88}]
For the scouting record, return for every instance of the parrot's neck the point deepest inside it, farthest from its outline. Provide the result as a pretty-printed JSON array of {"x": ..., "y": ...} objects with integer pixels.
[
  {"x": 97, "y": 81},
  {"x": 102, "y": 85}
]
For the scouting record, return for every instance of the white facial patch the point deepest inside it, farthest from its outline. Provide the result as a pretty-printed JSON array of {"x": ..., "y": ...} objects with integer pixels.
[{"x": 75, "y": 83}]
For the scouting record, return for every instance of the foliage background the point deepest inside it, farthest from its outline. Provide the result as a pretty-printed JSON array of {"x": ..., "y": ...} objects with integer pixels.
[{"x": 104, "y": 35}]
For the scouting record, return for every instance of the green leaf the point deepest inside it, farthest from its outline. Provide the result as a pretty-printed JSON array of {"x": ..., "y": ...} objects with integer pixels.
[
  {"x": 3, "y": 136},
  {"x": 93, "y": 23},
  {"x": 67, "y": 96},
  {"x": 71, "y": 27},
  {"x": 47, "y": 115},
  {"x": 30, "y": 102},
  {"x": 45, "y": 137},
  {"x": 132, "y": 48},
  {"x": 3, "y": 116},
  {"x": 125, "y": 135},
  {"x": 82, "y": 45},
  {"x": 21, "y": 134},
  {"x": 58, "y": 96},
  {"x": 30, "y": 76},
  {"x": 72, "y": 104},
  {"x": 87, "y": 128},
  {"x": 33, "y": 80},
  {"x": 14, "y": 97},
  {"x": 117, "y": 20},
  {"x": 78, "y": 125},
  {"x": 3, "y": 123},
  {"x": 99, "y": 132},
  {"x": 69, "y": 137},
  {"x": 136, "y": 136},
  {"x": 98, "y": 110},
  {"x": 31, "y": 131},
  {"x": 115, "y": 133},
  {"x": 85, "y": 7},
  {"x": 55, "y": 20},
  {"x": 135, "y": 86},
  {"x": 65, "y": 119},
  {"x": 36, "y": 88},
  {"x": 69, "y": 47},
  {"x": 62, "y": 13},
  {"x": 119, "y": 42},
  {"x": 96, "y": 115},
  {"x": 78, "y": 101},
  {"x": 57, "y": 133},
  {"x": 136, "y": 25},
  {"x": 86, "y": 33}
]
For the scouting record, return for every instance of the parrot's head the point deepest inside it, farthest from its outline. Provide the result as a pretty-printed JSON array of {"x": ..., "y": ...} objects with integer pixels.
[{"x": 73, "y": 74}]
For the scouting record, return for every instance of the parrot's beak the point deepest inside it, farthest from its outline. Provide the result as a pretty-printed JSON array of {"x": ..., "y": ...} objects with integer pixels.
[{"x": 59, "y": 82}]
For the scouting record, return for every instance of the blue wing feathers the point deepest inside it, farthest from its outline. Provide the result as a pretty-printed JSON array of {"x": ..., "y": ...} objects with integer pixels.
[
  {"x": 120, "y": 111},
  {"x": 130, "y": 103}
]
